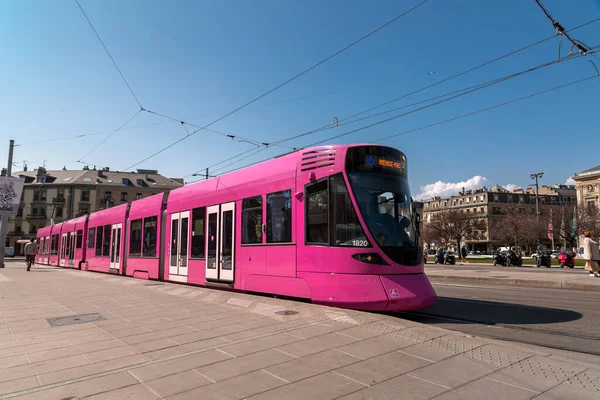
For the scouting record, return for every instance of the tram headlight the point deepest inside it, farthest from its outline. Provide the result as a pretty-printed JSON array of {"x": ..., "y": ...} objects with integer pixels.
[{"x": 370, "y": 258}]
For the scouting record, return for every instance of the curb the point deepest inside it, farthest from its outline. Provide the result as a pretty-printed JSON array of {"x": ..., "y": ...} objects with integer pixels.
[{"x": 533, "y": 283}]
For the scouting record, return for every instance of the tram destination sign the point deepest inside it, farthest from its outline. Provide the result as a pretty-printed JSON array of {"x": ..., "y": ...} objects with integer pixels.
[
  {"x": 376, "y": 159},
  {"x": 10, "y": 195}
]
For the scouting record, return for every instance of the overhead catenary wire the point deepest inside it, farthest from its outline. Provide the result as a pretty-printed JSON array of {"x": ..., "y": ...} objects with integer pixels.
[
  {"x": 109, "y": 136},
  {"x": 282, "y": 84},
  {"x": 109, "y": 55},
  {"x": 457, "y": 117},
  {"x": 186, "y": 120},
  {"x": 456, "y": 94},
  {"x": 561, "y": 30},
  {"x": 477, "y": 88},
  {"x": 488, "y": 108},
  {"x": 328, "y": 126}
]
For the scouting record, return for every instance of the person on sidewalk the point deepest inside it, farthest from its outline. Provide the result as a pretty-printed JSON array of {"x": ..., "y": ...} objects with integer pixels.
[
  {"x": 591, "y": 254},
  {"x": 30, "y": 251},
  {"x": 463, "y": 253}
]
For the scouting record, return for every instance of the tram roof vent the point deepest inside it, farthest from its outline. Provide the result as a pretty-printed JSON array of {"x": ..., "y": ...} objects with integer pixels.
[{"x": 315, "y": 159}]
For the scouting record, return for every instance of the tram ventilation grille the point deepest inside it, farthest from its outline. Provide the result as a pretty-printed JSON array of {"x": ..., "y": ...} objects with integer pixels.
[
  {"x": 317, "y": 159},
  {"x": 75, "y": 319}
]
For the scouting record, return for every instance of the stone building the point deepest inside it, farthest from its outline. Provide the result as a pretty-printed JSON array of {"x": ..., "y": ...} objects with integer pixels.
[
  {"x": 60, "y": 195},
  {"x": 490, "y": 204},
  {"x": 587, "y": 184}
]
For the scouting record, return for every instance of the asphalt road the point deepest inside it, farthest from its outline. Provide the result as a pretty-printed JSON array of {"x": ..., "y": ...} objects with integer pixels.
[
  {"x": 490, "y": 267},
  {"x": 560, "y": 319}
]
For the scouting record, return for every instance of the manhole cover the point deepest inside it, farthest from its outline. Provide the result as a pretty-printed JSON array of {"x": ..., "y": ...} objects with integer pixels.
[
  {"x": 286, "y": 312},
  {"x": 75, "y": 319},
  {"x": 71, "y": 398}
]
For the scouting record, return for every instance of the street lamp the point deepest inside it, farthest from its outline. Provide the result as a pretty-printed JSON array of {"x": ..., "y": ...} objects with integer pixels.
[{"x": 537, "y": 206}]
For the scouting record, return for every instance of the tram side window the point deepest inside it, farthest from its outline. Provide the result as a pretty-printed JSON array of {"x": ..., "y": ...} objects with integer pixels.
[
  {"x": 135, "y": 235},
  {"x": 106, "y": 241},
  {"x": 198, "y": 220},
  {"x": 279, "y": 217},
  {"x": 149, "y": 241},
  {"x": 347, "y": 230},
  {"x": 317, "y": 213},
  {"x": 252, "y": 220},
  {"x": 99, "y": 241},
  {"x": 79, "y": 242},
  {"x": 54, "y": 249},
  {"x": 91, "y": 236}
]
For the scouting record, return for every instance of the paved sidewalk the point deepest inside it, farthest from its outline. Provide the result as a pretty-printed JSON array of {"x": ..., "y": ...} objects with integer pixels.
[
  {"x": 158, "y": 340},
  {"x": 553, "y": 278}
]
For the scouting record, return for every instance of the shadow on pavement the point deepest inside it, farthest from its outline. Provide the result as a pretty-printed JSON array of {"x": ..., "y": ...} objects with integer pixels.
[{"x": 492, "y": 313}]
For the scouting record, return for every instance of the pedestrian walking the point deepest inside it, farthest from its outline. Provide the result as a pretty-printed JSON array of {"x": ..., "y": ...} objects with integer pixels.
[
  {"x": 591, "y": 254},
  {"x": 30, "y": 252},
  {"x": 463, "y": 253}
]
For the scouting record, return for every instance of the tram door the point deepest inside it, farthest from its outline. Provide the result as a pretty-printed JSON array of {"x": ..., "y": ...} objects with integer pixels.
[
  {"x": 178, "y": 250},
  {"x": 115, "y": 246},
  {"x": 64, "y": 248},
  {"x": 72, "y": 237},
  {"x": 220, "y": 260}
]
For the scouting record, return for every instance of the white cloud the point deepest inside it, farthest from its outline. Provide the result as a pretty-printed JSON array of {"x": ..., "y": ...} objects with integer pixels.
[
  {"x": 445, "y": 189},
  {"x": 570, "y": 181},
  {"x": 511, "y": 186}
]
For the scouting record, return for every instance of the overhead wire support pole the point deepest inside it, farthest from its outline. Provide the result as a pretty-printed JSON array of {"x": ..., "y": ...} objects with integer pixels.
[
  {"x": 4, "y": 226},
  {"x": 560, "y": 30}
]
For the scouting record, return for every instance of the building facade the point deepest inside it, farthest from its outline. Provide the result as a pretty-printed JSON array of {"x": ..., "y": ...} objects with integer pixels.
[
  {"x": 59, "y": 195},
  {"x": 489, "y": 205},
  {"x": 587, "y": 184}
]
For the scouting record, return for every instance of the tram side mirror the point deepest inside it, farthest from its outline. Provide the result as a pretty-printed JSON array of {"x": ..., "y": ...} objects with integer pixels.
[{"x": 299, "y": 195}]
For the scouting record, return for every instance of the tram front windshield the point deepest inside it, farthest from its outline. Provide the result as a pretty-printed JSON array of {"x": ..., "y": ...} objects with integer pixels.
[{"x": 377, "y": 176}]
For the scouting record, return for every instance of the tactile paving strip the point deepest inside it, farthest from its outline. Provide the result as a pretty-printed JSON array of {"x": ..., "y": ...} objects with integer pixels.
[
  {"x": 540, "y": 367},
  {"x": 492, "y": 355},
  {"x": 450, "y": 344},
  {"x": 589, "y": 380}
]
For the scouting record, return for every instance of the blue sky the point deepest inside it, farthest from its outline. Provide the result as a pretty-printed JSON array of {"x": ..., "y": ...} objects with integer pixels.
[{"x": 201, "y": 58}]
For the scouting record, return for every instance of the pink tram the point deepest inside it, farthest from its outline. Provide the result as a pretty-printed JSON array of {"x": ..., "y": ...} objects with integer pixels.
[{"x": 332, "y": 224}]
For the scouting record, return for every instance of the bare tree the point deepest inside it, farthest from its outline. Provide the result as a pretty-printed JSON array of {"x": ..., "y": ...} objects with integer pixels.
[{"x": 454, "y": 225}]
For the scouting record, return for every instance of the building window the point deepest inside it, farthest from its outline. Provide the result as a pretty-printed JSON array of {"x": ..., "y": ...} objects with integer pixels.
[
  {"x": 36, "y": 195},
  {"x": 34, "y": 210},
  {"x": 106, "y": 241},
  {"x": 59, "y": 212},
  {"x": 85, "y": 195},
  {"x": 123, "y": 196},
  {"x": 135, "y": 238},
  {"x": 90, "y": 242},
  {"x": 43, "y": 194},
  {"x": 347, "y": 230},
  {"x": 445, "y": 204},
  {"x": 252, "y": 220},
  {"x": 33, "y": 229},
  {"x": 279, "y": 217},
  {"x": 98, "y": 241},
  {"x": 79, "y": 240},
  {"x": 20, "y": 212},
  {"x": 138, "y": 196},
  {"x": 83, "y": 210},
  {"x": 198, "y": 219},
  {"x": 317, "y": 213},
  {"x": 149, "y": 242},
  {"x": 427, "y": 206}
]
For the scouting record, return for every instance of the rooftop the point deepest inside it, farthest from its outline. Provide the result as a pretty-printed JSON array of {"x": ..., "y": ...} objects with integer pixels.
[
  {"x": 140, "y": 178},
  {"x": 592, "y": 171}
]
